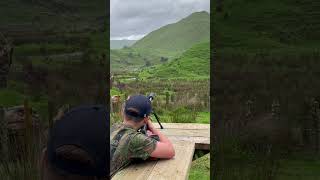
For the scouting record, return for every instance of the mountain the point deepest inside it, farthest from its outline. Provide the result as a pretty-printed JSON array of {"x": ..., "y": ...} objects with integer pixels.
[
  {"x": 192, "y": 64},
  {"x": 164, "y": 44},
  {"x": 174, "y": 38},
  {"x": 119, "y": 44}
]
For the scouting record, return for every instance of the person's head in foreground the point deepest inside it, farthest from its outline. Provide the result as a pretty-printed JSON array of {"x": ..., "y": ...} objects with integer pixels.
[
  {"x": 127, "y": 144},
  {"x": 77, "y": 146}
]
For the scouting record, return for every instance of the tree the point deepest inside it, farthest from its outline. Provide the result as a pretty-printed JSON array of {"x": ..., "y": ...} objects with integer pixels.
[
  {"x": 219, "y": 6},
  {"x": 6, "y": 52},
  {"x": 163, "y": 59},
  {"x": 148, "y": 63}
]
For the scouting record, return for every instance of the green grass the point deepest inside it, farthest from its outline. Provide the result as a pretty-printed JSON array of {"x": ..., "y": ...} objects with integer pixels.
[
  {"x": 114, "y": 91},
  {"x": 9, "y": 98},
  {"x": 200, "y": 168},
  {"x": 300, "y": 166},
  {"x": 203, "y": 117}
]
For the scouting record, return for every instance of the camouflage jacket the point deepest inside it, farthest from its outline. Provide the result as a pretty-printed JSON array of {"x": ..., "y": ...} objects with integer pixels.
[{"x": 126, "y": 145}]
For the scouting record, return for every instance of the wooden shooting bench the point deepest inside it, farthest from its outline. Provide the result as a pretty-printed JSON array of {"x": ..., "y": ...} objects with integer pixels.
[{"x": 186, "y": 137}]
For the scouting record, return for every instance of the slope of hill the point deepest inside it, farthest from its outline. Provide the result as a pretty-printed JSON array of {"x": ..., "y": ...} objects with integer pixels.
[
  {"x": 129, "y": 59},
  {"x": 41, "y": 28},
  {"x": 119, "y": 44},
  {"x": 177, "y": 37},
  {"x": 267, "y": 24},
  {"x": 193, "y": 64},
  {"x": 35, "y": 15}
]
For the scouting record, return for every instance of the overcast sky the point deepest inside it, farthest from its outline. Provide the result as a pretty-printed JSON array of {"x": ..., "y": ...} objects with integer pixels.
[{"x": 132, "y": 19}]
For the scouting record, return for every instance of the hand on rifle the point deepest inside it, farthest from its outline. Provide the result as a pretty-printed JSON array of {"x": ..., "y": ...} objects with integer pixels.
[
  {"x": 150, "y": 128},
  {"x": 164, "y": 147}
]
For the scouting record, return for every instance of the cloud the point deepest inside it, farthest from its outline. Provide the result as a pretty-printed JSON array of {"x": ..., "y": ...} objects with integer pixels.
[
  {"x": 132, "y": 37},
  {"x": 136, "y": 18}
]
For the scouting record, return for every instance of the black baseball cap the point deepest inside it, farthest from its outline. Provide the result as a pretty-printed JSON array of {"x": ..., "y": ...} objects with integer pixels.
[
  {"x": 86, "y": 127},
  {"x": 139, "y": 102}
]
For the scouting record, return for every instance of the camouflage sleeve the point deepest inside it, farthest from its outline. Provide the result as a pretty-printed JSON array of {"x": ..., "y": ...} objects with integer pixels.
[{"x": 141, "y": 146}]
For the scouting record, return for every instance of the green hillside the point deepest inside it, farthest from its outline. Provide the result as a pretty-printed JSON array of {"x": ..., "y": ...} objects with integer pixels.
[
  {"x": 177, "y": 37},
  {"x": 267, "y": 24},
  {"x": 27, "y": 15},
  {"x": 193, "y": 64}
]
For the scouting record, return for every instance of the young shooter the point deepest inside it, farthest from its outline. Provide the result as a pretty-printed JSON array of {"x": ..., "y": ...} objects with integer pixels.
[{"x": 127, "y": 144}]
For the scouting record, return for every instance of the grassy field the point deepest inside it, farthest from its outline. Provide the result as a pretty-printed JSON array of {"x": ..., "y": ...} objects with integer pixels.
[{"x": 171, "y": 104}]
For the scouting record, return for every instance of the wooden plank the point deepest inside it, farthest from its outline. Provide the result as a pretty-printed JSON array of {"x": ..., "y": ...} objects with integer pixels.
[
  {"x": 196, "y": 133},
  {"x": 197, "y": 140},
  {"x": 202, "y": 143},
  {"x": 182, "y": 125},
  {"x": 186, "y": 132},
  {"x": 176, "y": 168},
  {"x": 139, "y": 171}
]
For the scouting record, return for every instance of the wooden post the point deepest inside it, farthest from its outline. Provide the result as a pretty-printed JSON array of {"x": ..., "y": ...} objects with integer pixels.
[
  {"x": 50, "y": 113},
  {"x": 28, "y": 128},
  {"x": 3, "y": 135},
  {"x": 314, "y": 128},
  {"x": 6, "y": 52},
  {"x": 275, "y": 108},
  {"x": 172, "y": 98},
  {"x": 249, "y": 114},
  {"x": 317, "y": 126},
  {"x": 167, "y": 98}
]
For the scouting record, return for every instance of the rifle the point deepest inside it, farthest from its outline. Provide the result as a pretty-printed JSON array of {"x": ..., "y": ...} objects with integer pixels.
[{"x": 144, "y": 128}]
